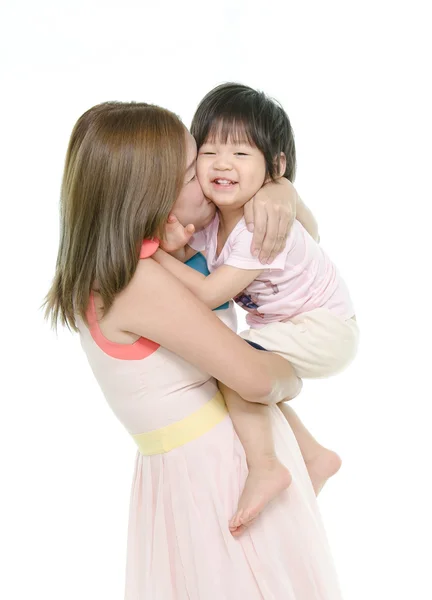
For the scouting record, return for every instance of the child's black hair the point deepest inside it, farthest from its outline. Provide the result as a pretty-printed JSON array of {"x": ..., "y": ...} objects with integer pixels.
[{"x": 241, "y": 114}]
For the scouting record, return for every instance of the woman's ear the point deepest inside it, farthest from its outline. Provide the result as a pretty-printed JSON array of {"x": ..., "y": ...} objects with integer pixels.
[{"x": 280, "y": 168}]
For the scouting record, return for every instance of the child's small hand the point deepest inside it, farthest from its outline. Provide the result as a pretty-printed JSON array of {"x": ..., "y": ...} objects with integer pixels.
[{"x": 176, "y": 236}]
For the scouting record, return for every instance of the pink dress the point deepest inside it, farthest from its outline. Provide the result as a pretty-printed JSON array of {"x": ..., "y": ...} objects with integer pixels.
[{"x": 179, "y": 544}]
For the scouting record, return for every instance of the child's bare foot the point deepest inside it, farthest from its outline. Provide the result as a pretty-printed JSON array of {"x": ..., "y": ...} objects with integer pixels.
[
  {"x": 323, "y": 466},
  {"x": 263, "y": 483}
]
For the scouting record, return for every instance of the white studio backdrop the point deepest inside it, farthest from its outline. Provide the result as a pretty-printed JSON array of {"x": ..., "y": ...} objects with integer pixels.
[{"x": 354, "y": 78}]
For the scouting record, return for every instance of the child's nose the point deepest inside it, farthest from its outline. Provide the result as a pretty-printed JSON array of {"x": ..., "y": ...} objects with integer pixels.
[{"x": 222, "y": 163}]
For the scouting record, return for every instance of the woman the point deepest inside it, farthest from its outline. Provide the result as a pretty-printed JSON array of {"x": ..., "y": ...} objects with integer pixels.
[{"x": 127, "y": 168}]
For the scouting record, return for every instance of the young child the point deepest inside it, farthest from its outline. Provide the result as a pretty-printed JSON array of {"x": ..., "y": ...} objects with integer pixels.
[{"x": 298, "y": 306}]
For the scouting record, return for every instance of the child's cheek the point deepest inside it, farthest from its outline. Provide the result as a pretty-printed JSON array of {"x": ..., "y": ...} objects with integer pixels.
[{"x": 201, "y": 172}]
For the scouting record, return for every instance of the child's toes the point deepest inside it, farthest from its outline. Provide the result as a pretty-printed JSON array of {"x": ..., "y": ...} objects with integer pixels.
[
  {"x": 236, "y": 521},
  {"x": 241, "y": 529}
]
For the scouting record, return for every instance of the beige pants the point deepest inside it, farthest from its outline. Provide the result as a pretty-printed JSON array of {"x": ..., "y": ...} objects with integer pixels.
[{"x": 316, "y": 343}]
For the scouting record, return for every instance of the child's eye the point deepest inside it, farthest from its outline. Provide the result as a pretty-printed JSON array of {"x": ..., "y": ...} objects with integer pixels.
[
  {"x": 241, "y": 154},
  {"x": 207, "y": 153}
]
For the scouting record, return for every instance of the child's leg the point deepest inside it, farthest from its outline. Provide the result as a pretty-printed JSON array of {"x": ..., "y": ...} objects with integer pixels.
[
  {"x": 321, "y": 463},
  {"x": 316, "y": 344},
  {"x": 267, "y": 475}
]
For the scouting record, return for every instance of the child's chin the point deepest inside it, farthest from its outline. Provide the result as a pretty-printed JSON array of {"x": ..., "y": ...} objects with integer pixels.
[
  {"x": 232, "y": 201},
  {"x": 210, "y": 216}
]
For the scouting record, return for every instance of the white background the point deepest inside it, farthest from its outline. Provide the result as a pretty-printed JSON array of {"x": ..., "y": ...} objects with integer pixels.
[{"x": 354, "y": 78}]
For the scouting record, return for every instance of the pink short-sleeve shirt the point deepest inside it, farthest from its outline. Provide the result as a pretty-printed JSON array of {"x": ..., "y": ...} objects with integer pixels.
[{"x": 302, "y": 278}]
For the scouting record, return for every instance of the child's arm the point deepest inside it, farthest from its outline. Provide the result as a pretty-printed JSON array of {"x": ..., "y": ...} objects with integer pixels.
[
  {"x": 306, "y": 218},
  {"x": 183, "y": 254},
  {"x": 215, "y": 289}
]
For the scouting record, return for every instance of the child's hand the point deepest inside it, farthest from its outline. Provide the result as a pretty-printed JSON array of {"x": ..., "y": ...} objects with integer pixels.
[{"x": 176, "y": 236}]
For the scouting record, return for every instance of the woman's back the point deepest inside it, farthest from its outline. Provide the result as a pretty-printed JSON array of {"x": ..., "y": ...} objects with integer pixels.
[{"x": 146, "y": 386}]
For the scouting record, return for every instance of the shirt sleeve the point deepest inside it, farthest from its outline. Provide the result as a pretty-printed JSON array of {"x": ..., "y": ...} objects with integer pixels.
[{"x": 240, "y": 255}]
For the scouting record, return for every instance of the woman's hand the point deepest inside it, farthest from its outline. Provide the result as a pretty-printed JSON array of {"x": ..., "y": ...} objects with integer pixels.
[{"x": 270, "y": 215}]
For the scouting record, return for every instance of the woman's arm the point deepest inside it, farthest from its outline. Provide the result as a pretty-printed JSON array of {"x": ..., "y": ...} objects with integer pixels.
[
  {"x": 215, "y": 289},
  {"x": 157, "y": 306},
  {"x": 270, "y": 215}
]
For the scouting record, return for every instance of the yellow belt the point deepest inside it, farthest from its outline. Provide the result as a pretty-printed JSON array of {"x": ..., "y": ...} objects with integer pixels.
[{"x": 188, "y": 429}]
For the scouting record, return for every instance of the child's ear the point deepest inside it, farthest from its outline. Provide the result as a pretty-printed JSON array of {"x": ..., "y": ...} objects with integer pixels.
[{"x": 280, "y": 168}]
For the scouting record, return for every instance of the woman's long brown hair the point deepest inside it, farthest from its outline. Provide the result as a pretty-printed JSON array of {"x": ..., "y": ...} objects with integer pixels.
[{"x": 124, "y": 169}]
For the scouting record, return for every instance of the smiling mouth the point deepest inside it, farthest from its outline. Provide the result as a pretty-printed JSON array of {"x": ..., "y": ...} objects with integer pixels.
[{"x": 224, "y": 182}]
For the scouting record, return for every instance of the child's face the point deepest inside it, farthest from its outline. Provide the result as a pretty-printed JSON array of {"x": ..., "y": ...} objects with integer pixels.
[{"x": 230, "y": 174}]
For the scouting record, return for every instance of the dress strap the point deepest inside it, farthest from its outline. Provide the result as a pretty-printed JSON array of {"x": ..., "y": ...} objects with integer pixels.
[{"x": 149, "y": 247}]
